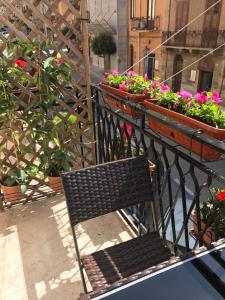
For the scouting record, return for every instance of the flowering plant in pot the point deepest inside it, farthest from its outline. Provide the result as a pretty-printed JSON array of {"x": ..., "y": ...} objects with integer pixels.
[
  {"x": 200, "y": 112},
  {"x": 128, "y": 86},
  {"x": 212, "y": 218}
]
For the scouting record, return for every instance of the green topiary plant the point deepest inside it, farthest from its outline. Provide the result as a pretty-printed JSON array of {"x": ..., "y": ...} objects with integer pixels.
[{"x": 104, "y": 45}]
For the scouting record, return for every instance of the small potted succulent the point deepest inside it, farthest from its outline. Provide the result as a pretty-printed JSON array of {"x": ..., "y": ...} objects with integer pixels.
[
  {"x": 212, "y": 218},
  {"x": 13, "y": 184},
  {"x": 200, "y": 112},
  {"x": 128, "y": 86}
]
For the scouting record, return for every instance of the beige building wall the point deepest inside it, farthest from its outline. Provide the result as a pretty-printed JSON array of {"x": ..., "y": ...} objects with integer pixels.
[
  {"x": 194, "y": 49},
  {"x": 146, "y": 40}
]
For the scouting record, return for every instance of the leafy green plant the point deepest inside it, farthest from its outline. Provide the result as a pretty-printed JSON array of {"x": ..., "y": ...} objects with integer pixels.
[
  {"x": 55, "y": 161},
  {"x": 202, "y": 106},
  {"x": 14, "y": 177},
  {"x": 129, "y": 82}
]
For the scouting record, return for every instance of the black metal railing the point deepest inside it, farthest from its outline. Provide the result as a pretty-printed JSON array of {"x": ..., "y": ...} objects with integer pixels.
[
  {"x": 181, "y": 181},
  {"x": 195, "y": 39},
  {"x": 145, "y": 24}
]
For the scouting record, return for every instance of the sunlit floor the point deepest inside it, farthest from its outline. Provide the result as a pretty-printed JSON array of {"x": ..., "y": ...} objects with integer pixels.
[{"x": 37, "y": 252}]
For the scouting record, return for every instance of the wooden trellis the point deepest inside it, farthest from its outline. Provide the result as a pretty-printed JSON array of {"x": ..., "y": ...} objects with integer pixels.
[{"x": 42, "y": 20}]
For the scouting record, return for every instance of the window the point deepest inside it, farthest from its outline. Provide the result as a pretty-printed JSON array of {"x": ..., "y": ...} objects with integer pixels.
[
  {"x": 151, "y": 9},
  {"x": 132, "y": 8}
]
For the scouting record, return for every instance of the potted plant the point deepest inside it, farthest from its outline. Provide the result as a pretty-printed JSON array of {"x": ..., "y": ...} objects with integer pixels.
[
  {"x": 54, "y": 162},
  {"x": 200, "y": 112},
  {"x": 212, "y": 218},
  {"x": 13, "y": 184},
  {"x": 103, "y": 45},
  {"x": 129, "y": 86}
]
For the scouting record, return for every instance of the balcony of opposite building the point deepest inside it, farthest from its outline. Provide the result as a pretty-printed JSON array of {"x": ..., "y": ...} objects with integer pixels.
[
  {"x": 195, "y": 40},
  {"x": 142, "y": 23}
]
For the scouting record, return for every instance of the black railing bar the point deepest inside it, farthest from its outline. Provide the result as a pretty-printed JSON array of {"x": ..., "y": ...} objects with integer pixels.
[
  {"x": 184, "y": 200},
  {"x": 170, "y": 194},
  {"x": 170, "y": 210},
  {"x": 201, "y": 137},
  {"x": 185, "y": 222},
  {"x": 184, "y": 156}
]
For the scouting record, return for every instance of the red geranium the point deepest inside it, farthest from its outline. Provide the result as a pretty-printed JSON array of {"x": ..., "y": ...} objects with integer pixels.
[
  {"x": 21, "y": 63},
  {"x": 58, "y": 60},
  {"x": 221, "y": 196},
  {"x": 128, "y": 129}
]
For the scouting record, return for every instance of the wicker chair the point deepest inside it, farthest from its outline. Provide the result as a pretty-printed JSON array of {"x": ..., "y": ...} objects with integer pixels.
[{"x": 102, "y": 189}]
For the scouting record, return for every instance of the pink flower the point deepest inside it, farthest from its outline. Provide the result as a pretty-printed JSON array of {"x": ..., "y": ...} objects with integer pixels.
[
  {"x": 145, "y": 92},
  {"x": 114, "y": 72},
  {"x": 201, "y": 98},
  {"x": 190, "y": 103},
  {"x": 131, "y": 73},
  {"x": 154, "y": 84},
  {"x": 123, "y": 86},
  {"x": 175, "y": 105},
  {"x": 164, "y": 88},
  {"x": 216, "y": 98},
  {"x": 146, "y": 77},
  {"x": 184, "y": 94}
]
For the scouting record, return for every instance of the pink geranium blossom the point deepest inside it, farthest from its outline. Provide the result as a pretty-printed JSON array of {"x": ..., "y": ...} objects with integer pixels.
[
  {"x": 146, "y": 77},
  {"x": 114, "y": 72},
  {"x": 201, "y": 98},
  {"x": 131, "y": 73},
  {"x": 123, "y": 86},
  {"x": 215, "y": 97},
  {"x": 185, "y": 94},
  {"x": 164, "y": 88}
]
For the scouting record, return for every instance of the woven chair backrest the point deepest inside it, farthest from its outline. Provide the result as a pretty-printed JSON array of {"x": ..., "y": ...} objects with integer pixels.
[{"x": 98, "y": 190}]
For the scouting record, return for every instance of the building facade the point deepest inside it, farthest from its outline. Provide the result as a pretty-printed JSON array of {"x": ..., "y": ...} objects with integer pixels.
[
  {"x": 111, "y": 17},
  {"x": 197, "y": 40},
  {"x": 146, "y": 19}
]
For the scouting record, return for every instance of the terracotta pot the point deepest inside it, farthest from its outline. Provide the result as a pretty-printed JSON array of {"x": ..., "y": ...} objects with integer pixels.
[
  {"x": 12, "y": 193},
  {"x": 209, "y": 236},
  {"x": 138, "y": 98},
  {"x": 55, "y": 184},
  {"x": 204, "y": 151}
]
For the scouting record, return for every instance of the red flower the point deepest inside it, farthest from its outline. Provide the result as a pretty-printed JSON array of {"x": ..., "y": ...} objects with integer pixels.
[
  {"x": 221, "y": 196},
  {"x": 21, "y": 63},
  {"x": 58, "y": 60},
  {"x": 128, "y": 128}
]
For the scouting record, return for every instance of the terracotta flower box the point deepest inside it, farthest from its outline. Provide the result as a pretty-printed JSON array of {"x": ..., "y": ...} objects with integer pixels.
[
  {"x": 136, "y": 98},
  {"x": 208, "y": 237},
  {"x": 204, "y": 151}
]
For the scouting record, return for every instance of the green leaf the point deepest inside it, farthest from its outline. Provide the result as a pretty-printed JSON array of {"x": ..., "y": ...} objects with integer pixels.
[
  {"x": 23, "y": 188},
  {"x": 48, "y": 62}
]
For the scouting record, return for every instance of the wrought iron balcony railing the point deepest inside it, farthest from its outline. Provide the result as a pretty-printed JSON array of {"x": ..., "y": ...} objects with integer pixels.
[
  {"x": 145, "y": 24},
  {"x": 195, "y": 39},
  {"x": 181, "y": 181}
]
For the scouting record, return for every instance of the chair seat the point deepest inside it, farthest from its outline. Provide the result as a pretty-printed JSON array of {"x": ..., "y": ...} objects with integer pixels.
[{"x": 112, "y": 264}]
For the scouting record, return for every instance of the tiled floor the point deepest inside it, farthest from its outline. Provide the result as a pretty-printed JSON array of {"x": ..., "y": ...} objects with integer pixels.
[{"x": 37, "y": 252}]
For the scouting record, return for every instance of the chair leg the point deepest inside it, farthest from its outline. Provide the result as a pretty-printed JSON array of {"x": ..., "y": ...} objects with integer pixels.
[{"x": 79, "y": 260}]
